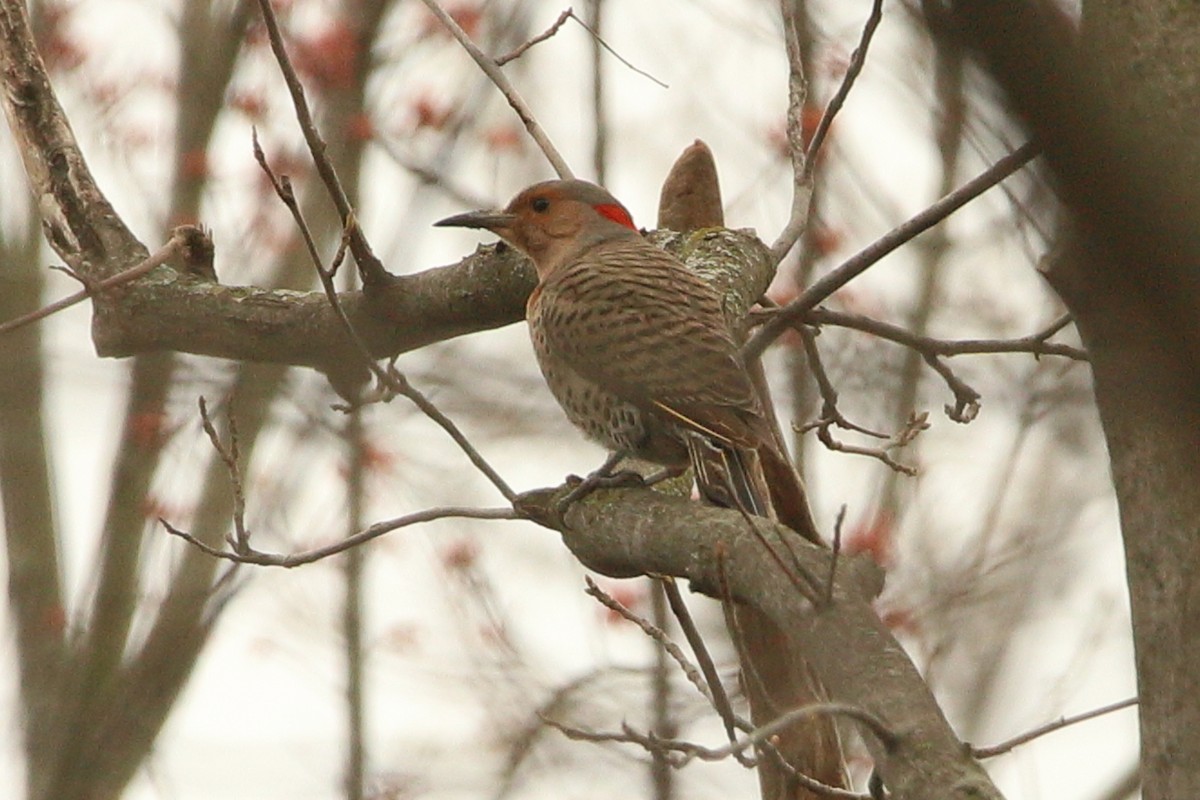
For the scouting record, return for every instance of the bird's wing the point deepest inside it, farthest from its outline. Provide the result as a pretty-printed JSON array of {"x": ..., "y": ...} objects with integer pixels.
[{"x": 637, "y": 322}]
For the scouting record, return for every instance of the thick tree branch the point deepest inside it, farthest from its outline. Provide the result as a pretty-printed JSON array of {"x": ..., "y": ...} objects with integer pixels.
[
  {"x": 168, "y": 311},
  {"x": 624, "y": 533},
  {"x": 486, "y": 290},
  {"x": 77, "y": 218}
]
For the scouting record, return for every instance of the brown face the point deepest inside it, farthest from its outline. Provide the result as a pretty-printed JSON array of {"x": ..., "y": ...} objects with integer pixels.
[
  {"x": 544, "y": 218},
  {"x": 552, "y": 221}
]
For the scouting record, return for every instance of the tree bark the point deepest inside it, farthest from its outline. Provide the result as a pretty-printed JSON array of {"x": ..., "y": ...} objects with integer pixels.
[{"x": 1118, "y": 113}]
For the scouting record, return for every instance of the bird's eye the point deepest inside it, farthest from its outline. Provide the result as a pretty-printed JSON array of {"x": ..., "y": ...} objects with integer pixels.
[{"x": 540, "y": 204}]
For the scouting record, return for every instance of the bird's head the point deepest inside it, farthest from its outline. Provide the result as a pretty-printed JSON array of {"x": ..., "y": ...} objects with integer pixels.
[{"x": 553, "y": 222}]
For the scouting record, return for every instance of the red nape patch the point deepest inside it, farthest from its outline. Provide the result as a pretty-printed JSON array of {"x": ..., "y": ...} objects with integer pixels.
[{"x": 616, "y": 213}]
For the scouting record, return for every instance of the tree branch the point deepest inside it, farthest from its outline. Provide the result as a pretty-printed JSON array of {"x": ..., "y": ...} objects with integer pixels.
[
  {"x": 497, "y": 76},
  {"x": 369, "y": 266},
  {"x": 1051, "y": 727},
  {"x": 1036, "y": 344},
  {"x": 623, "y": 533},
  {"x": 77, "y": 218},
  {"x": 156, "y": 259},
  {"x": 890, "y": 241},
  {"x": 243, "y": 553}
]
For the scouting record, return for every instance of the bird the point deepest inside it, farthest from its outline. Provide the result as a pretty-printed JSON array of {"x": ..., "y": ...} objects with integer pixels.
[
  {"x": 640, "y": 354},
  {"x": 637, "y": 350}
]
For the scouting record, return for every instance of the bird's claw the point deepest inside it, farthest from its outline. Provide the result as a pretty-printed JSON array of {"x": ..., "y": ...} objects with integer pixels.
[{"x": 600, "y": 479}]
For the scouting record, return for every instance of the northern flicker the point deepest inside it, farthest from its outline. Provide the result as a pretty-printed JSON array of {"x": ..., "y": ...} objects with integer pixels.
[{"x": 637, "y": 350}]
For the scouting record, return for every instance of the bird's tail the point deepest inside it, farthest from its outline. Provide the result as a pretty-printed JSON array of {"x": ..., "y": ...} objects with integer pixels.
[
  {"x": 729, "y": 477},
  {"x": 789, "y": 500},
  {"x": 761, "y": 481}
]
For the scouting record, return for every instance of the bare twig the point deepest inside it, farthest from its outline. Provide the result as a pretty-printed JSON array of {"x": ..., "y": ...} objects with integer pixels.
[
  {"x": 1036, "y": 344},
  {"x": 901, "y": 234},
  {"x": 654, "y": 632},
  {"x": 857, "y": 59},
  {"x": 688, "y": 751},
  {"x": 390, "y": 380},
  {"x": 933, "y": 351},
  {"x": 541, "y": 37},
  {"x": 678, "y": 752},
  {"x": 400, "y": 384},
  {"x": 966, "y": 399},
  {"x": 797, "y": 97},
  {"x": 1054, "y": 327},
  {"x": 836, "y": 553},
  {"x": 872, "y": 722},
  {"x": 252, "y": 556},
  {"x": 831, "y": 415},
  {"x": 155, "y": 259},
  {"x": 231, "y": 457},
  {"x": 1050, "y": 727},
  {"x": 596, "y": 35},
  {"x": 754, "y": 682},
  {"x": 369, "y": 265},
  {"x": 709, "y": 685},
  {"x": 283, "y": 188},
  {"x": 497, "y": 76},
  {"x": 718, "y": 697}
]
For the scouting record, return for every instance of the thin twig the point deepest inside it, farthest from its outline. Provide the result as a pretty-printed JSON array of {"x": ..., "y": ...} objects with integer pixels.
[
  {"x": 231, "y": 457},
  {"x": 689, "y": 751},
  {"x": 719, "y": 697},
  {"x": 966, "y": 399},
  {"x": 1049, "y": 727},
  {"x": 596, "y": 35},
  {"x": 369, "y": 265},
  {"x": 506, "y": 88},
  {"x": 708, "y": 685},
  {"x": 836, "y": 553},
  {"x": 857, "y": 59},
  {"x": 252, "y": 556},
  {"x": 872, "y": 722},
  {"x": 870, "y": 255},
  {"x": 656, "y": 633},
  {"x": 390, "y": 379},
  {"x": 155, "y": 259},
  {"x": 541, "y": 37},
  {"x": 283, "y": 189},
  {"x": 751, "y": 675},
  {"x": 733, "y": 720},
  {"x": 1054, "y": 327},
  {"x": 1034, "y": 343},
  {"x": 400, "y": 384},
  {"x": 797, "y": 99},
  {"x": 831, "y": 415}
]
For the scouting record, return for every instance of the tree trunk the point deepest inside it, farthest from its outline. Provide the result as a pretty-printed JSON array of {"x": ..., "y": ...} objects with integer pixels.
[{"x": 1119, "y": 117}]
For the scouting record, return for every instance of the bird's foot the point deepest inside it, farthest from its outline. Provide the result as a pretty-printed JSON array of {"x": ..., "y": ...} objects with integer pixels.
[
  {"x": 664, "y": 474},
  {"x": 603, "y": 478}
]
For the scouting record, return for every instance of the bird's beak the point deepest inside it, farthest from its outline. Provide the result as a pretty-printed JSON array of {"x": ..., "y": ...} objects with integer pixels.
[{"x": 495, "y": 221}]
